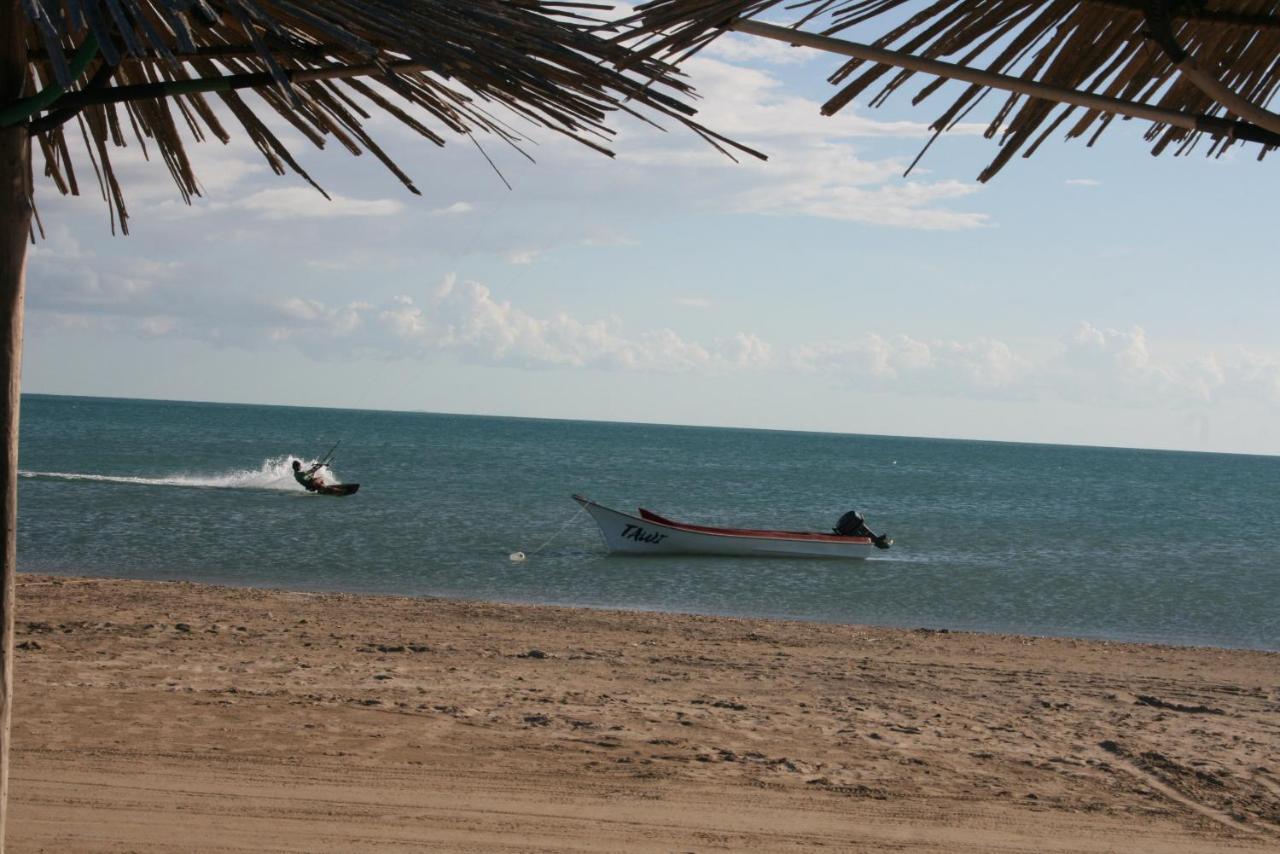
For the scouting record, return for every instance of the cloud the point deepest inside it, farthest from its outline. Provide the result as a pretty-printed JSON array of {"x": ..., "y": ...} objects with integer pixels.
[
  {"x": 523, "y": 256},
  {"x": 903, "y": 364},
  {"x": 608, "y": 237},
  {"x": 453, "y": 209},
  {"x": 737, "y": 48},
  {"x": 1119, "y": 365},
  {"x": 63, "y": 276},
  {"x": 817, "y": 165},
  {"x": 814, "y": 167},
  {"x": 465, "y": 320},
  {"x": 1083, "y": 182},
  {"x": 305, "y": 203},
  {"x": 148, "y": 188},
  {"x": 751, "y": 103},
  {"x": 805, "y": 187}
]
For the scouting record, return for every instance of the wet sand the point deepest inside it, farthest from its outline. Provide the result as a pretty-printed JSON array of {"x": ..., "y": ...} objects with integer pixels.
[{"x": 152, "y": 716}]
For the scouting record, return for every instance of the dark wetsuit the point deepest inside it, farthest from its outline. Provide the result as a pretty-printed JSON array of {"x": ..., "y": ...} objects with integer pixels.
[{"x": 307, "y": 478}]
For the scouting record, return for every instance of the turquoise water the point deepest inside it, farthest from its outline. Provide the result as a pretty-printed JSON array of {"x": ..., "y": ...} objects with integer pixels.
[{"x": 1093, "y": 542}]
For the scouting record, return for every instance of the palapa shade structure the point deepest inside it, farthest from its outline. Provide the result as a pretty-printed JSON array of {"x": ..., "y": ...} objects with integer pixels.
[
  {"x": 1198, "y": 70},
  {"x": 81, "y": 77}
]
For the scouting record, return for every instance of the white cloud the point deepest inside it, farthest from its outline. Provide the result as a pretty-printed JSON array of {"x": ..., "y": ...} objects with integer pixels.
[
  {"x": 62, "y": 275},
  {"x": 466, "y": 320},
  {"x": 735, "y": 47},
  {"x": 296, "y": 308},
  {"x": 72, "y": 289},
  {"x": 1083, "y": 182},
  {"x": 608, "y": 237},
  {"x": 1120, "y": 365},
  {"x": 306, "y": 203},
  {"x": 751, "y": 104},
  {"x": 157, "y": 327},
  {"x": 454, "y": 209},
  {"x": 523, "y": 256},
  {"x": 816, "y": 166},
  {"x": 810, "y": 154},
  {"x": 745, "y": 351},
  {"x": 832, "y": 183},
  {"x": 904, "y": 364},
  {"x": 813, "y": 170}
]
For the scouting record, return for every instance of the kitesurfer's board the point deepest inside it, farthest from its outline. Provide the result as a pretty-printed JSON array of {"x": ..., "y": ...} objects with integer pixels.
[{"x": 339, "y": 489}]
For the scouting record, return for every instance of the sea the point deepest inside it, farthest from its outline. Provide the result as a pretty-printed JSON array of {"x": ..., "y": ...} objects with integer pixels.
[{"x": 1106, "y": 543}]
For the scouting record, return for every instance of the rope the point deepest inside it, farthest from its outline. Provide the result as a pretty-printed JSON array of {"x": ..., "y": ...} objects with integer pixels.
[{"x": 516, "y": 557}]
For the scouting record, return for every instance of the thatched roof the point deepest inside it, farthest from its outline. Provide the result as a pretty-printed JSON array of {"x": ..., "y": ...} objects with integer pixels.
[
  {"x": 1207, "y": 67},
  {"x": 107, "y": 72}
]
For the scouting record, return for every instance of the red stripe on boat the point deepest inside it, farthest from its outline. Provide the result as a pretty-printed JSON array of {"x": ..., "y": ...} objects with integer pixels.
[{"x": 650, "y": 516}]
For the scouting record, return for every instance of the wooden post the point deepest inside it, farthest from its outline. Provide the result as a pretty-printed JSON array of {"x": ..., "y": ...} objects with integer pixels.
[{"x": 15, "y": 228}]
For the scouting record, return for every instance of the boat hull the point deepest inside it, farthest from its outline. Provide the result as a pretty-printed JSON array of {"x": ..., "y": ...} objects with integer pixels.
[
  {"x": 338, "y": 489},
  {"x": 627, "y": 534}
]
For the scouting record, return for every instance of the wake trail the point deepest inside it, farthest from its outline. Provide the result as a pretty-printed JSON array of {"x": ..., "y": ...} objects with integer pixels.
[{"x": 274, "y": 473}]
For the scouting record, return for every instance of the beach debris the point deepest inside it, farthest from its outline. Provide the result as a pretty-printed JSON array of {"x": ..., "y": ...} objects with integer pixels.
[
  {"x": 181, "y": 627},
  {"x": 1156, "y": 702},
  {"x": 720, "y": 704},
  {"x": 855, "y": 791},
  {"x": 537, "y": 720},
  {"x": 729, "y": 704},
  {"x": 533, "y": 653},
  {"x": 29, "y": 645}
]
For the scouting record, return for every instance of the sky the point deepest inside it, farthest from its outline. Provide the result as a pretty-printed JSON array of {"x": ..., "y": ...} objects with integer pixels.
[{"x": 1096, "y": 296}]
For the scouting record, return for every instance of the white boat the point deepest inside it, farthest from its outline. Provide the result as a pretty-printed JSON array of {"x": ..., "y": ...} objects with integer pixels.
[{"x": 650, "y": 533}]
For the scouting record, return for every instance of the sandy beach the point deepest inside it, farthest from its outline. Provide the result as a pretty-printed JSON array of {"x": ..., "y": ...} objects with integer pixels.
[{"x": 154, "y": 716}]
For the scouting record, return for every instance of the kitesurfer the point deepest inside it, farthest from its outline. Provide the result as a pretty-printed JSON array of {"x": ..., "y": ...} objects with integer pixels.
[{"x": 310, "y": 478}]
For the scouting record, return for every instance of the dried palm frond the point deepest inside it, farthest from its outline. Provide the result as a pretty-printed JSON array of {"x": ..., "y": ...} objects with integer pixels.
[
  {"x": 114, "y": 71},
  {"x": 1217, "y": 63}
]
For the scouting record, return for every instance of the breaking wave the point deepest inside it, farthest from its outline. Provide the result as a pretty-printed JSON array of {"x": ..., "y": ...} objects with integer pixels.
[{"x": 274, "y": 473}]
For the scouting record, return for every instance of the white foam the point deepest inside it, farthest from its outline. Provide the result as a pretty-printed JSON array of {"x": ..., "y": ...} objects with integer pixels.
[{"x": 274, "y": 473}]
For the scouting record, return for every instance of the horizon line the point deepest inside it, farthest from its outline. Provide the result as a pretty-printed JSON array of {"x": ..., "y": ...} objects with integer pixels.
[{"x": 816, "y": 432}]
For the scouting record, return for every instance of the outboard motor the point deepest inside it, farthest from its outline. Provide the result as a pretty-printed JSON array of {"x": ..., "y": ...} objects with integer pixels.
[{"x": 853, "y": 524}]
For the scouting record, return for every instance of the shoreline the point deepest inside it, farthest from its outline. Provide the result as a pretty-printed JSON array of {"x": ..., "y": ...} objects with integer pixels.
[
  {"x": 1064, "y": 634},
  {"x": 251, "y": 718}
]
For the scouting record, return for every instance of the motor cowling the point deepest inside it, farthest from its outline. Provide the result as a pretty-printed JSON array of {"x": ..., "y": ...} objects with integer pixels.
[{"x": 852, "y": 524}]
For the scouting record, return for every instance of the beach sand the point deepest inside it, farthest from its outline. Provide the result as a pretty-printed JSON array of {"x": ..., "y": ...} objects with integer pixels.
[{"x": 153, "y": 716}]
